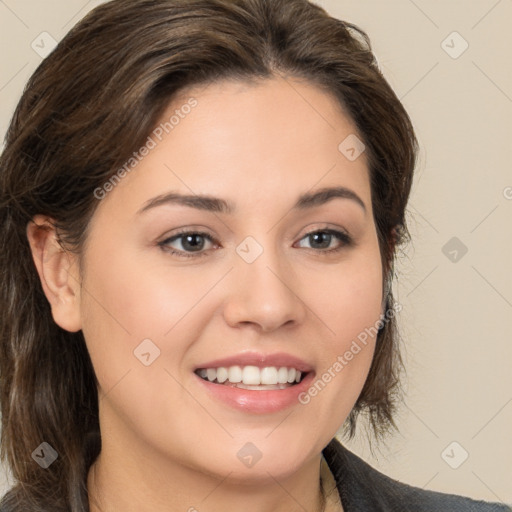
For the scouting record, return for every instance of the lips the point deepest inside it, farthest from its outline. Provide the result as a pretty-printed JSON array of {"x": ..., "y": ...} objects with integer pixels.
[
  {"x": 251, "y": 369},
  {"x": 278, "y": 360},
  {"x": 254, "y": 382}
]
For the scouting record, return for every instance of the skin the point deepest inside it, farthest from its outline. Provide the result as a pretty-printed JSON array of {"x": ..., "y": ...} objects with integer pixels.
[{"x": 166, "y": 444}]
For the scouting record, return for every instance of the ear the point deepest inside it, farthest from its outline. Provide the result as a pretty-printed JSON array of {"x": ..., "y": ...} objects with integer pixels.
[{"x": 57, "y": 271}]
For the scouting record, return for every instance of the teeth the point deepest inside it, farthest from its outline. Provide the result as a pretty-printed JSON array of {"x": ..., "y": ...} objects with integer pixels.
[
  {"x": 252, "y": 376},
  {"x": 268, "y": 375},
  {"x": 235, "y": 374},
  {"x": 222, "y": 375},
  {"x": 282, "y": 375}
]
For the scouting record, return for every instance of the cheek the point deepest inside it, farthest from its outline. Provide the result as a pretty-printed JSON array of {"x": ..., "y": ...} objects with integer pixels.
[
  {"x": 348, "y": 298},
  {"x": 121, "y": 307},
  {"x": 348, "y": 301},
  {"x": 129, "y": 300},
  {"x": 137, "y": 298}
]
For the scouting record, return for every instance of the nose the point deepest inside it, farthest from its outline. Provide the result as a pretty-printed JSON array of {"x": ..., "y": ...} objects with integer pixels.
[{"x": 264, "y": 294}]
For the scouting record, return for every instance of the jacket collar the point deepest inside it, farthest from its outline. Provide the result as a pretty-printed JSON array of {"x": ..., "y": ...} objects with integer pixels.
[
  {"x": 363, "y": 488},
  {"x": 360, "y": 486}
]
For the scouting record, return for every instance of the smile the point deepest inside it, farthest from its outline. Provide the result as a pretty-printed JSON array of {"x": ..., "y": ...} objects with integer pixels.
[{"x": 252, "y": 377}]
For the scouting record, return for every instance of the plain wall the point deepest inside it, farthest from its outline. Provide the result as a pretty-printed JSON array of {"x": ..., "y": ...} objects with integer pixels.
[{"x": 457, "y": 315}]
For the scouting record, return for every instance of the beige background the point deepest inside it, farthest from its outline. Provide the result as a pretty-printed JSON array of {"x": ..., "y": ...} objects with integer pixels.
[{"x": 457, "y": 315}]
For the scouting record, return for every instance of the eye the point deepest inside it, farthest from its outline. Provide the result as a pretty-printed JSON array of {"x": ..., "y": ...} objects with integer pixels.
[
  {"x": 194, "y": 241},
  {"x": 324, "y": 237},
  {"x": 189, "y": 240}
]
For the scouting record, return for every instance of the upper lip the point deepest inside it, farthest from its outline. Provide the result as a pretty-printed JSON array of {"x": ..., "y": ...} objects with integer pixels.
[{"x": 260, "y": 360}]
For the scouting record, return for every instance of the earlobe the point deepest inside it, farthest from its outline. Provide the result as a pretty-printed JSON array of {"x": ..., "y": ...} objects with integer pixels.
[{"x": 57, "y": 272}]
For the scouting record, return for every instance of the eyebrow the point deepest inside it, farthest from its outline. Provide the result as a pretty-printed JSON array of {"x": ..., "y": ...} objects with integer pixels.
[{"x": 217, "y": 205}]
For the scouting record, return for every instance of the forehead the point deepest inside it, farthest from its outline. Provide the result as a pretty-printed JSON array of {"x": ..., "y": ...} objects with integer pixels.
[{"x": 256, "y": 142}]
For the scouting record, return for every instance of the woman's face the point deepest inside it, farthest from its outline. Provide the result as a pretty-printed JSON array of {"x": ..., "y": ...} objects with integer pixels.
[{"x": 257, "y": 287}]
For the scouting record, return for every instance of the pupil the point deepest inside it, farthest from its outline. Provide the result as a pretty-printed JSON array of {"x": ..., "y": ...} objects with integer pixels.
[
  {"x": 317, "y": 235},
  {"x": 193, "y": 245}
]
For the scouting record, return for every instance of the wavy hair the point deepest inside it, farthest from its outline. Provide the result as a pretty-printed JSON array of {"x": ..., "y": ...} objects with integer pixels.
[{"x": 87, "y": 107}]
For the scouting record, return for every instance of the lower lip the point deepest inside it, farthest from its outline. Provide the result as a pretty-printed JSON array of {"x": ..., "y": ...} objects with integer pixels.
[{"x": 258, "y": 401}]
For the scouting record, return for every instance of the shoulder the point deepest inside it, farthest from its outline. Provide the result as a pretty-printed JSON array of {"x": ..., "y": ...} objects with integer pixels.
[{"x": 362, "y": 488}]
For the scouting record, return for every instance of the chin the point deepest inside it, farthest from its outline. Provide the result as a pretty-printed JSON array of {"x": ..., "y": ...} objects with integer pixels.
[{"x": 260, "y": 460}]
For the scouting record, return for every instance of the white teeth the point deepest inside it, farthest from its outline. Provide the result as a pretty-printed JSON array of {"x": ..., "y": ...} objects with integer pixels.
[
  {"x": 269, "y": 375},
  {"x": 282, "y": 375},
  {"x": 222, "y": 374},
  {"x": 252, "y": 375},
  {"x": 235, "y": 374}
]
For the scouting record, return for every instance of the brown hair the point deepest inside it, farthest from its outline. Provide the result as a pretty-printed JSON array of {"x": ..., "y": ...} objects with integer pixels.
[{"x": 84, "y": 111}]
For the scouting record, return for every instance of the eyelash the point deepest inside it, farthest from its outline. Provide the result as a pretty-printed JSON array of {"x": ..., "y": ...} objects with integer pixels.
[{"x": 343, "y": 237}]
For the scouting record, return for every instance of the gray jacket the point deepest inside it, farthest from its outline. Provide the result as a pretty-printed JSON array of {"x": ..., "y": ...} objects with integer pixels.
[{"x": 363, "y": 489}]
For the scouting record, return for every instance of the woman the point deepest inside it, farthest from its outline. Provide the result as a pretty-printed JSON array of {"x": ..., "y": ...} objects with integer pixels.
[{"x": 173, "y": 338}]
